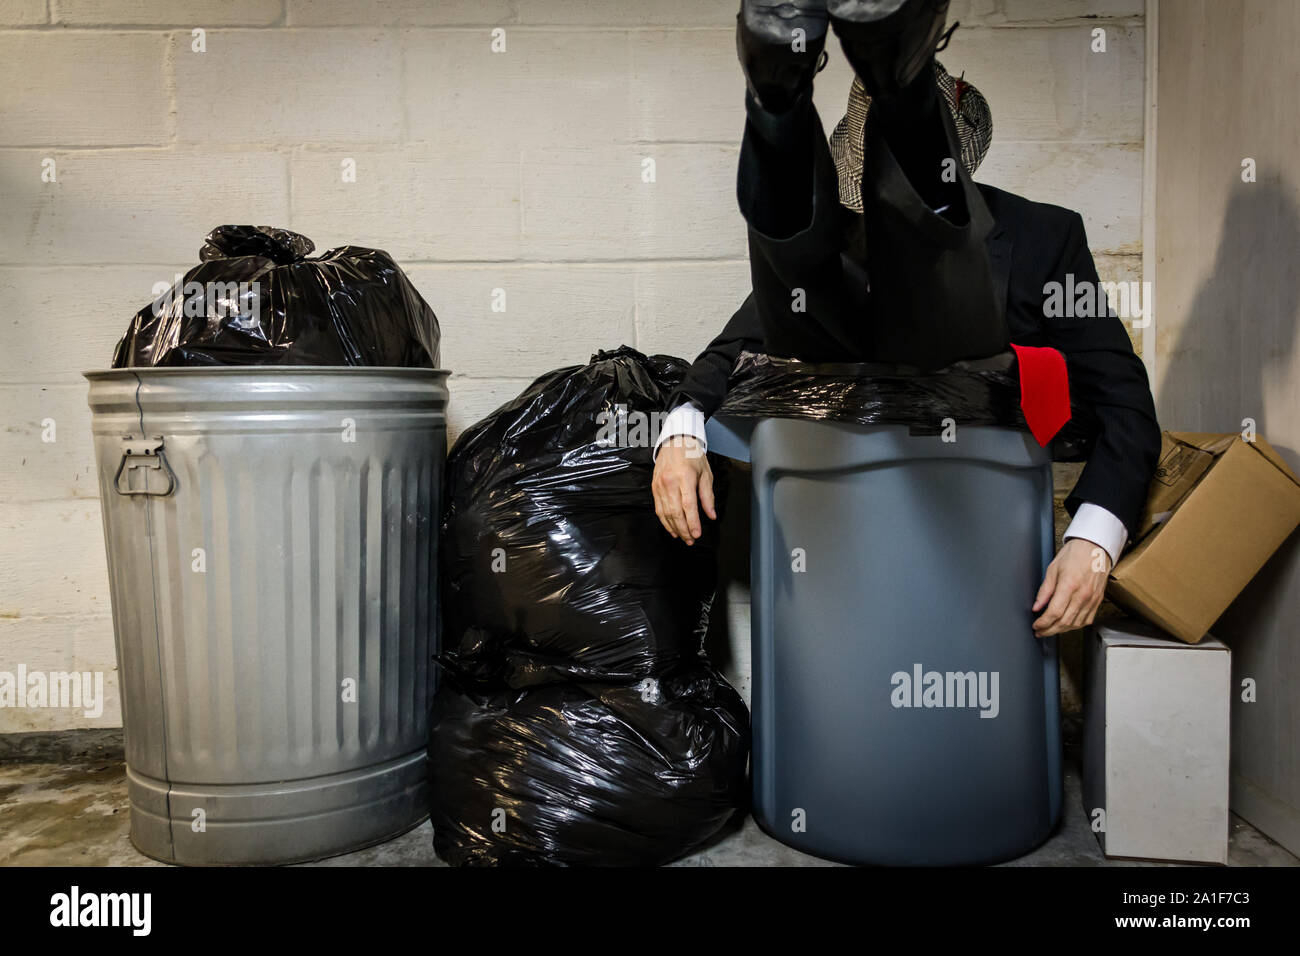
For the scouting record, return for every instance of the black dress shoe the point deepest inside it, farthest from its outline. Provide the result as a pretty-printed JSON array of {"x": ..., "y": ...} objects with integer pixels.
[
  {"x": 888, "y": 42},
  {"x": 779, "y": 63}
]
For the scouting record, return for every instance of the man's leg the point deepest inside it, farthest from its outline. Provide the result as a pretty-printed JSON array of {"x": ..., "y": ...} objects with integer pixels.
[
  {"x": 932, "y": 283},
  {"x": 925, "y": 221},
  {"x": 811, "y": 300},
  {"x": 929, "y": 299},
  {"x": 780, "y": 46},
  {"x": 787, "y": 187}
]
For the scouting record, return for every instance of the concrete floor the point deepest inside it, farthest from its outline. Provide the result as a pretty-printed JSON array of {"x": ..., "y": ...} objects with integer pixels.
[{"x": 75, "y": 812}]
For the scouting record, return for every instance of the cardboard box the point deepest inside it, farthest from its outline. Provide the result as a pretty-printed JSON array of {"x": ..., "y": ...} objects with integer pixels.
[
  {"x": 1180, "y": 467},
  {"x": 1155, "y": 744},
  {"x": 1218, "y": 509}
]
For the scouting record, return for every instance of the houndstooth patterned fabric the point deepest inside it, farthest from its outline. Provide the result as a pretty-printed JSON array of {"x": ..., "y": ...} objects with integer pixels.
[{"x": 974, "y": 123}]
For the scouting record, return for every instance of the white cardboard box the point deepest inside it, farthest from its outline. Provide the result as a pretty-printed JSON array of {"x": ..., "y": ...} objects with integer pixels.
[{"x": 1155, "y": 747}]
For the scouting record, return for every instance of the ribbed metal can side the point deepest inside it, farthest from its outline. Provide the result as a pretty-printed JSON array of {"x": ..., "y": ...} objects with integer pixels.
[{"x": 275, "y": 611}]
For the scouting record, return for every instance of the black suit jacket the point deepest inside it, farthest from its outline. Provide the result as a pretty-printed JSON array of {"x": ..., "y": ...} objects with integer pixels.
[{"x": 1030, "y": 245}]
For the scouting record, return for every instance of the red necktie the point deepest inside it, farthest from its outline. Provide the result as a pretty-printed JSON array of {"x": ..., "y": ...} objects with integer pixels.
[{"x": 1044, "y": 390}]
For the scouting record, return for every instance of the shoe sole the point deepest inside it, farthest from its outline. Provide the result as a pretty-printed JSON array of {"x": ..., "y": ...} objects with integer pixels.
[
  {"x": 863, "y": 25},
  {"x": 883, "y": 18},
  {"x": 769, "y": 23}
]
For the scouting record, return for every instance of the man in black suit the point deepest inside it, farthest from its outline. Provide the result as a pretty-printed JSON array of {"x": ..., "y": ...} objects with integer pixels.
[{"x": 922, "y": 267}]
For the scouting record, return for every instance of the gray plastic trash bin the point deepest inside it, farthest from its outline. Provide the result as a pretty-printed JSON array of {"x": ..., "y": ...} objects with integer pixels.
[
  {"x": 271, "y": 539},
  {"x": 903, "y": 711}
]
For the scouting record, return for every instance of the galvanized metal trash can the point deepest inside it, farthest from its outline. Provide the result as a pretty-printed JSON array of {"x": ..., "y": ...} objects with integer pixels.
[
  {"x": 904, "y": 713},
  {"x": 272, "y": 557}
]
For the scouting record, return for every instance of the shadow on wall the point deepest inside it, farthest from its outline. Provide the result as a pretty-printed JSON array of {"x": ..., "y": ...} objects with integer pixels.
[
  {"x": 1230, "y": 362},
  {"x": 1238, "y": 336},
  {"x": 1240, "y": 329}
]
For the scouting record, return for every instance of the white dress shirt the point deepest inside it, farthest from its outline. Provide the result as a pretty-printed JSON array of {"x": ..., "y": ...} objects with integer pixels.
[{"x": 1091, "y": 522}]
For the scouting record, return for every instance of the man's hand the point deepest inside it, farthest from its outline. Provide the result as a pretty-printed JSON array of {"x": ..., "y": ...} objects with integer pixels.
[
  {"x": 681, "y": 474},
  {"x": 1072, "y": 589}
]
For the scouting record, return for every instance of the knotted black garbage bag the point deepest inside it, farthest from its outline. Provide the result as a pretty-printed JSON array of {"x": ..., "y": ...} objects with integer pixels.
[
  {"x": 555, "y": 565},
  {"x": 597, "y": 774},
  {"x": 257, "y": 299}
]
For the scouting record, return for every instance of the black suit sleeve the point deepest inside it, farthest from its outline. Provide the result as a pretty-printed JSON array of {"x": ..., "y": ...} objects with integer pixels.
[
  {"x": 1107, "y": 377},
  {"x": 706, "y": 382}
]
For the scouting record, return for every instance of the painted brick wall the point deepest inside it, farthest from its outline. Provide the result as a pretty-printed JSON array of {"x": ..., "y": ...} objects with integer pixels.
[{"x": 518, "y": 170}]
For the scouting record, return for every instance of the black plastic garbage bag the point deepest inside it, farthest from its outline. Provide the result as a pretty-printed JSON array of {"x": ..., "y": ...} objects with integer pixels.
[
  {"x": 554, "y": 563},
  {"x": 981, "y": 392},
  {"x": 257, "y": 299},
  {"x": 585, "y": 774}
]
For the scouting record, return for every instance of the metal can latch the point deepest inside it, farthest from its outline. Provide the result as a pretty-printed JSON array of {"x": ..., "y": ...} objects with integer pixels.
[{"x": 143, "y": 455}]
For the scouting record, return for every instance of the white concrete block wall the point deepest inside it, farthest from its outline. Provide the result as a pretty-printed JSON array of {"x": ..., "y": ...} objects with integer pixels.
[{"x": 520, "y": 170}]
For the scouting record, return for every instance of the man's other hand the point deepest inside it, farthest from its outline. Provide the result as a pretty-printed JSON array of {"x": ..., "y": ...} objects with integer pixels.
[
  {"x": 682, "y": 475},
  {"x": 1072, "y": 589}
]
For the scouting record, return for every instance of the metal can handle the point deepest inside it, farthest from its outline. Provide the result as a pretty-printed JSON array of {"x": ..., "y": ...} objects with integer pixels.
[{"x": 144, "y": 454}]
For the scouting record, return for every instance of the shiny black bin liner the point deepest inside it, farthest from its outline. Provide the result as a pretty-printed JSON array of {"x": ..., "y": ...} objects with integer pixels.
[
  {"x": 585, "y": 774},
  {"x": 983, "y": 392},
  {"x": 554, "y": 563},
  {"x": 256, "y": 298}
]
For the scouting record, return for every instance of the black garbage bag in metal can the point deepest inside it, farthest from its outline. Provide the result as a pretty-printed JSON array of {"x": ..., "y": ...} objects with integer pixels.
[{"x": 256, "y": 298}]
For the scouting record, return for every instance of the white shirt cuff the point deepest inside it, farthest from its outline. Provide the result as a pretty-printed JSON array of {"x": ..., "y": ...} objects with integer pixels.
[
  {"x": 1094, "y": 523},
  {"x": 685, "y": 419}
]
